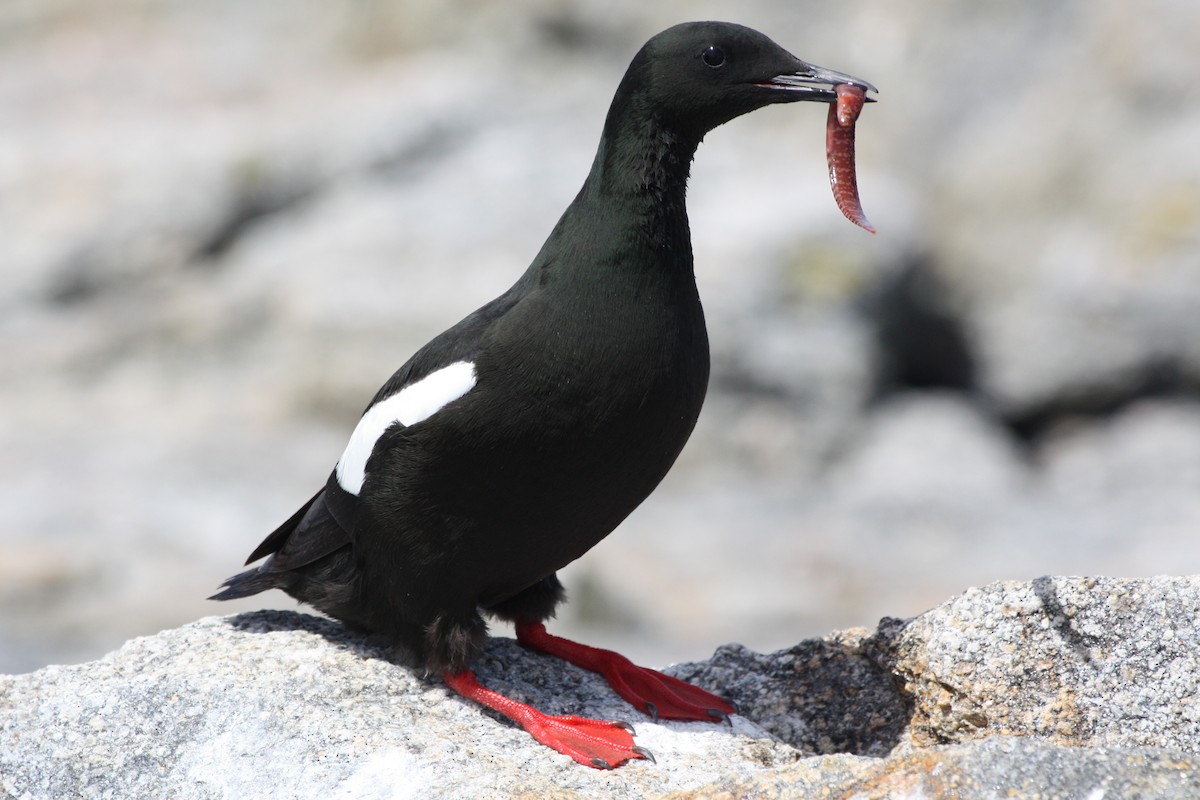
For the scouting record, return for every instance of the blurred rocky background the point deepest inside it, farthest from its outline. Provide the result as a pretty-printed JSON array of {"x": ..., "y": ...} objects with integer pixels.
[{"x": 224, "y": 223}]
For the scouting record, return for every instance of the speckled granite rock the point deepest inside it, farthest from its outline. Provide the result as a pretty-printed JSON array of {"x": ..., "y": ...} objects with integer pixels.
[
  {"x": 1075, "y": 661},
  {"x": 278, "y": 704},
  {"x": 1001, "y": 767},
  {"x": 1058, "y": 688}
]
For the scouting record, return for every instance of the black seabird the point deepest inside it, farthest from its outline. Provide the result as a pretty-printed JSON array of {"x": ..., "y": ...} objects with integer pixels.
[{"x": 512, "y": 443}]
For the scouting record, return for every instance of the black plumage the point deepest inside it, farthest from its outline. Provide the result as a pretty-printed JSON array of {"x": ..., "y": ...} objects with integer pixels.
[{"x": 585, "y": 380}]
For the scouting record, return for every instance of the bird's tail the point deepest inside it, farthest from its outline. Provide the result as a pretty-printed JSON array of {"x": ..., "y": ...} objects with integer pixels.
[
  {"x": 308, "y": 557},
  {"x": 244, "y": 584},
  {"x": 271, "y": 574}
]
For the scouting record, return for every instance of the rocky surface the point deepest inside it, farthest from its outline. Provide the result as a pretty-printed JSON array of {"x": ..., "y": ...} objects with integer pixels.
[
  {"x": 225, "y": 222},
  {"x": 1057, "y": 688}
]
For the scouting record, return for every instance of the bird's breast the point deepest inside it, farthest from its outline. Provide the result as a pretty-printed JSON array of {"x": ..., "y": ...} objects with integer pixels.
[{"x": 579, "y": 414}]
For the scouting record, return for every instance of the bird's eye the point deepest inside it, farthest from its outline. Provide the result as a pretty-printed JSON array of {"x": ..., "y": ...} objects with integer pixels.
[{"x": 713, "y": 56}]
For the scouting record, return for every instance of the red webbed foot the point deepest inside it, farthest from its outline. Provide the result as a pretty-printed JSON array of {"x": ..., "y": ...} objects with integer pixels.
[
  {"x": 646, "y": 689},
  {"x": 592, "y": 742}
]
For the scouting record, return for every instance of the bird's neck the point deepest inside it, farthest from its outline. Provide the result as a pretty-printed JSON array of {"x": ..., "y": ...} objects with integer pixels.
[
  {"x": 628, "y": 225},
  {"x": 642, "y": 157},
  {"x": 642, "y": 165}
]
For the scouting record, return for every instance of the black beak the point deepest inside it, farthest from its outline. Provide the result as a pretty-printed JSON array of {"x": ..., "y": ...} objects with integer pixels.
[{"x": 811, "y": 82}]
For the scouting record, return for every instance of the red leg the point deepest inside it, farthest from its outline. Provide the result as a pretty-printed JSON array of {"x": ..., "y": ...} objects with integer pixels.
[
  {"x": 592, "y": 742},
  {"x": 648, "y": 690}
]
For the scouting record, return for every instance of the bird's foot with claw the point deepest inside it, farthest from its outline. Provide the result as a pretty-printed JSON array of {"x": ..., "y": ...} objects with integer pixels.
[
  {"x": 662, "y": 696},
  {"x": 594, "y": 742},
  {"x": 591, "y": 742},
  {"x": 657, "y": 694}
]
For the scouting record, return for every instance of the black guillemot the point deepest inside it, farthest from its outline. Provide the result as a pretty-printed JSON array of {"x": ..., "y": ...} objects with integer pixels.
[{"x": 512, "y": 443}]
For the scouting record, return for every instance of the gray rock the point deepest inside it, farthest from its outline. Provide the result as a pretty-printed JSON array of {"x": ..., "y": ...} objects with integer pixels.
[
  {"x": 1060, "y": 688},
  {"x": 278, "y": 704},
  {"x": 1076, "y": 661},
  {"x": 1000, "y": 767},
  {"x": 822, "y": 696}
]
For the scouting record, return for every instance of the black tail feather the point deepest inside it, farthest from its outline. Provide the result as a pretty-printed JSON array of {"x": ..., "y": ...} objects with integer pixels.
[
  {"x": 280, "y": 535},
  {"x": 244, "y": 584},
  {"x": 308, "y": 557}
]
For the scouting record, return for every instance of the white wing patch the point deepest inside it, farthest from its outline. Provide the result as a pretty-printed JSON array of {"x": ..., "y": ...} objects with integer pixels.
[{"x": 410, "y": 405}]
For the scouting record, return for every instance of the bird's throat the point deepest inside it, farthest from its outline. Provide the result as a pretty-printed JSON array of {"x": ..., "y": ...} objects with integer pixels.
[
  {"x": 642, "y": 158},
  {"x": 642, "y": 168}
]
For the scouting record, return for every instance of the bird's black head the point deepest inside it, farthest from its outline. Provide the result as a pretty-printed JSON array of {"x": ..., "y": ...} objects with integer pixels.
[{"x": 698, "y": 75}]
